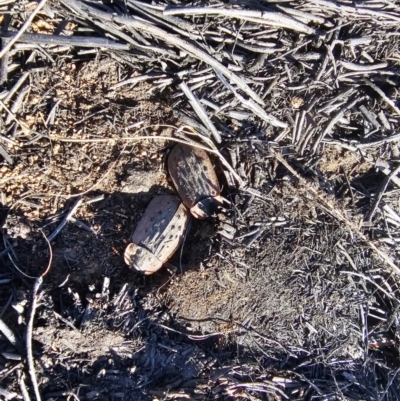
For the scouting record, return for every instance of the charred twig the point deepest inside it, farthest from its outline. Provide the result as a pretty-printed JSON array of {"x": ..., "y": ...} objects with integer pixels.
[
  {"x": 370, "y": 116},
  {"x": 249, "y": 104},
  {"x": 178, "y": 25},
  {"x": 65, "y": 219},
  {"x": 16, "y": 105},
  {"x": 198, "y": 108},
  {"x": 22, "y": 386},
  {"x": 94, "y": 199},
  {"x": 305, "y": 16},
  {"x": 366, "y": 145},
  {"x": 8, "y": 333},
  {"x": 325, "y": 5},
  {"x": 362, "y": 67},
  {"x": 24, "y": 27},
  {"x": 6, "y": 394},
  {"x": 199, "y": 337},
  {"x": 389, "y": 384},
  {"x": 15, "y": 88},
  {"x": 373, "y": 282},
  {"x": 140, "y": 78},
  {"x": 262, "y": 17},
  {"x": 187, "y": 120},
  {"x": 29, "y": 330},
  {"x": 29, "y": 326},
  {"x": 384, "y": 97},
  {"x": 5, "y": 59},
  {"x": 78, "y": 41},
  {"x": 381, "y": 192},
  {"x": 333, "y": 121}
]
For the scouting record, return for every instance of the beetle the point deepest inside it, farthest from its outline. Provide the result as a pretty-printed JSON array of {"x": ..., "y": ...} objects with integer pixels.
[
  {"x": 158, "y": 234},
  {"x": 194, "y": 177}
]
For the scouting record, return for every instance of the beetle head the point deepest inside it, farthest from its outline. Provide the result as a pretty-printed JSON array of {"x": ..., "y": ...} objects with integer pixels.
[{"x": 206, "y": 207}]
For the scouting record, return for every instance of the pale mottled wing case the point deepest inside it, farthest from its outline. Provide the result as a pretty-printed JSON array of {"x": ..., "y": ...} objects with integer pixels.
[
  {"x": 161, "y": 229},
  {"x": 141, "y": 259},
  {"x": 173, "y": 234},
  {"x": 193, "y": 174},
  {"x": 150, "y": 230}
]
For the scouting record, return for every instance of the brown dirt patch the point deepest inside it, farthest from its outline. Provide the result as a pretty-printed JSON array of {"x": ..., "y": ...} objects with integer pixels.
[{"x": 335, "y": 160}]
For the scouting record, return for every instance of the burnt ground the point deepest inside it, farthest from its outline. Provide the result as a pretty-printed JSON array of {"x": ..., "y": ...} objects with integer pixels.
[{"x": 272, "y": 298}]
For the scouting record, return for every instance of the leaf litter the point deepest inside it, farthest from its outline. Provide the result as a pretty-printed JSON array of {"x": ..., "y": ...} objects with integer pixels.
[{"x": 291, "y": 292}]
